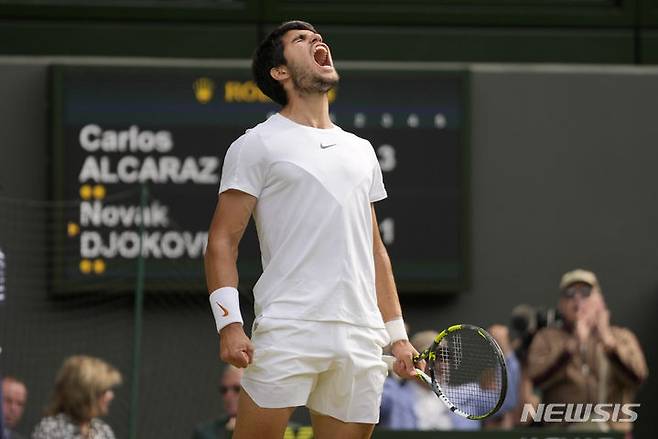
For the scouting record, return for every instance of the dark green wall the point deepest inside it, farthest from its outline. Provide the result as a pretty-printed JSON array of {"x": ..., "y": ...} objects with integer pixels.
[
  {"x": 563, "y": 174},
  {"x": 572, "y": 31}
]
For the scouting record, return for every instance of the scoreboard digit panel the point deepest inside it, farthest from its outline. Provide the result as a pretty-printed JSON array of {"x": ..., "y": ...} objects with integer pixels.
[{"x": 116, "y": 129}]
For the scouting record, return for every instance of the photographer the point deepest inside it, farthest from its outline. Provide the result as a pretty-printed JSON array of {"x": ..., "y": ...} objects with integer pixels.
[{"x": 587, "y": 360}]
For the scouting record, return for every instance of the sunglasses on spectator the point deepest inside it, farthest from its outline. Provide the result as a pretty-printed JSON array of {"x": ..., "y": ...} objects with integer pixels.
[
  {"x": 224, "y": 389},
  {"x": 571, "y": 292}
]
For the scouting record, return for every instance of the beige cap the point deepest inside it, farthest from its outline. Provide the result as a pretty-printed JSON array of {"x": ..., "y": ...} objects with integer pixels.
[{"x": 578, "y": 275}]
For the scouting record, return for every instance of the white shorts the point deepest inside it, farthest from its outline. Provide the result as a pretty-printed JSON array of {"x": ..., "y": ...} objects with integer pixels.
[{"x": 333, "y": 368}]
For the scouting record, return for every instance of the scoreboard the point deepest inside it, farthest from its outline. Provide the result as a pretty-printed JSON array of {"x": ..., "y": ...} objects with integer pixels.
[{"x": 166, "y": 129}]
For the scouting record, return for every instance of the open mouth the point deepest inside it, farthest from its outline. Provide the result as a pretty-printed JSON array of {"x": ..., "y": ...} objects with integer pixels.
[{"x": 321, "y": 55}]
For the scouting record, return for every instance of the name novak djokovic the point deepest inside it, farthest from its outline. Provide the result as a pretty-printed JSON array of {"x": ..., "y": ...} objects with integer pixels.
[{"x": 562, "y": 412}]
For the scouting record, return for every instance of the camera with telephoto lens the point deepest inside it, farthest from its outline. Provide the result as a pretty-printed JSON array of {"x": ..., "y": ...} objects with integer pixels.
[{"x": 525, "y": 321}]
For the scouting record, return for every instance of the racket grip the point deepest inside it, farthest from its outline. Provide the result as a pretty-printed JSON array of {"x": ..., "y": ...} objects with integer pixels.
[{"x": 423, "y": 377}]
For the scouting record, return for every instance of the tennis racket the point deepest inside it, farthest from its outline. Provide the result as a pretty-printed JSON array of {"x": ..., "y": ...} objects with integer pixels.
[{"x": 466, "y": 369}]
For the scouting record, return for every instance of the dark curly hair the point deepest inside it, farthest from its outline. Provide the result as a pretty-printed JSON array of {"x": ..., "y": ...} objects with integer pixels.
[{"x": 269, "y": 54}]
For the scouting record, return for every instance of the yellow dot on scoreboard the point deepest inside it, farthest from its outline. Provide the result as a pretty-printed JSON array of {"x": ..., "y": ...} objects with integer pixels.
[
  {"x": 85, "y": 191},
  {"x": 73, "y": 229},
  {"x": 99, "y": 266},
  {"x": 99, "y": 191},
  {"x": 85, "y": 266}
]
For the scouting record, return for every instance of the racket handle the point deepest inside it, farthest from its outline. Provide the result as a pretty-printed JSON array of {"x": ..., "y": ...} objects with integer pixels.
[{"x": 423, "y": 377}]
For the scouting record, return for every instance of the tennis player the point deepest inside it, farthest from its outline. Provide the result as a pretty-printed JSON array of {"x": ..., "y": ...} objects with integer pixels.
[{"x": 326, "y": 303}]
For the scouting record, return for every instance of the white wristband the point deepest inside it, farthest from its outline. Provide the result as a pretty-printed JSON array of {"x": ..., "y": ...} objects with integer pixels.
[
  {"x": 225, "y": 306},
  {"x": 396, "y": 330}
]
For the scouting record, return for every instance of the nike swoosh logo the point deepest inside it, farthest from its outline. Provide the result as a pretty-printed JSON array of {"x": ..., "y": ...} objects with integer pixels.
[
  {"x": 223, "y": 309},
  {"x": 323, "y": 146}
]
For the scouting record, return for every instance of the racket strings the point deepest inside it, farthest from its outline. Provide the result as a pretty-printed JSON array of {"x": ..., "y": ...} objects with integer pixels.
[{"x": 468, "y": 370}]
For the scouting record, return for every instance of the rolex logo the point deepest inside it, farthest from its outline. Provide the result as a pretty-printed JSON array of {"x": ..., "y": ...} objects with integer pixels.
[{"x": 204, "y": 88}]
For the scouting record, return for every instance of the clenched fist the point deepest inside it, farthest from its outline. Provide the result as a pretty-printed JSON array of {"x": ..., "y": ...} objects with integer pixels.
[
  {"x": 234, "y": 346},
  {"x": 404, "y": 353}
]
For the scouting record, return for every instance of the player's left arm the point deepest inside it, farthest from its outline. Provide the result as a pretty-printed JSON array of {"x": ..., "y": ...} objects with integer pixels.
[{"x": 389, "y": 303}]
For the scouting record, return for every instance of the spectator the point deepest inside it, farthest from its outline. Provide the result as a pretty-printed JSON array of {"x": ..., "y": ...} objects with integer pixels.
[
  {"x": 83, "y": 392},
  {"x": 397, "y": 407},
  {"x": 505, "y": 417},
  {"x": 396, "y": 411},
  {"x": 229, "y": 387},
  {"x": 586, "y": 361},
  {"x": 431, "y": 413},
  {"x": 14, "y": 398}
]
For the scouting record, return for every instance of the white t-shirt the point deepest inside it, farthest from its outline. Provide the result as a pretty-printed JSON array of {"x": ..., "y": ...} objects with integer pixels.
[{"x": 313, "y": 216}]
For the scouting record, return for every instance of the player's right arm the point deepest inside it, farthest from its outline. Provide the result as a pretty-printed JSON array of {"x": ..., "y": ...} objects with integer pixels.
[{"x": 231, "y": 217}]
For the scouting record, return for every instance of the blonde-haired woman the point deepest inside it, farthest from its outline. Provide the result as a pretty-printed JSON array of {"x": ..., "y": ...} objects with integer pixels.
[{"x": 83, "y": 392}]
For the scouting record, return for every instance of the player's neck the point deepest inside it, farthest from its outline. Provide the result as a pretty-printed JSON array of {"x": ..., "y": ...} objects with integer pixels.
[{"x": 309, "y": 110}]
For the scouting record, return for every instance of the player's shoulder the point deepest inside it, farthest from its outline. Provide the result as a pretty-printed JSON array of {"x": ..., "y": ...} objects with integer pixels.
[
  {"x": 250, "y": 136},
  {"x": 263, "y": 134},
  {"x": 364, "y": 146},
  {"x": 250, "y": 140},
  {"x": 356, "y": 139},
  {"x": 274, "y": 125}
]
